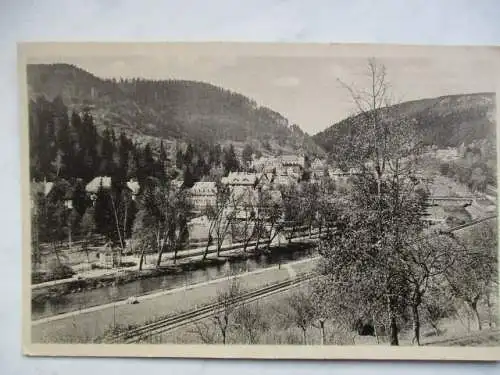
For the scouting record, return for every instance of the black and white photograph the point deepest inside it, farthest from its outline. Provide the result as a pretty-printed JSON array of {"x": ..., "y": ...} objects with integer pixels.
[{"x": 259, "y": 200}]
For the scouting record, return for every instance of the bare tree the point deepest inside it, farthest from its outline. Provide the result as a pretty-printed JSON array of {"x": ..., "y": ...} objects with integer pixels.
[
  {"x": 250, "y": 319},
  {"x": 227, "y": 304},
  {"x": 244, "y": 217},
  {"x": 220, "y": 217},
  {"x": 161, "y": 219},
  {"x": 204, "y": 332},
  {"x": 475, "y": 273},
  {"x": 301, "y": 311},
  {"x": 422, "y": 263}
]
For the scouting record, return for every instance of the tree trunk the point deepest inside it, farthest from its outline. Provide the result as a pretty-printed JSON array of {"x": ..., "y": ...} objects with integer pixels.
[
  {"x": 322, "y": 327},
  {"x": 141, "y": 260},
  {"x": 257, "y": 239},
  {"x": 375, "y": 329},
  {"x": 310, "y": 230},
  {"x": 291, "y": 235},
  {"x": 158, "y": 260},
  {"x": 206, "y": 248},
  {"x": 490, "y": 315},
  {"x": 416, "y": 324},
  {"x": 219, "y": 245},
  {"x": 417, "y": 299},
  {"x": 473, "y": 306},
  {"x": 394, "y": 331},
  {"x": 56, "y": 252},
  {"x": 304, "y": 334}
]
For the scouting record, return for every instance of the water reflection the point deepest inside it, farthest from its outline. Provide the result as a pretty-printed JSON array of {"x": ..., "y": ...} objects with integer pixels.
[{"x": 110, "y": 293}]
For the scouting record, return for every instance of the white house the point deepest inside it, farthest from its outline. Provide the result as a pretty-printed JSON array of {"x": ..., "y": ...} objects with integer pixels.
[
  {"x": 293, "y": 160},
  {"x": 134, "y": 188},
  {"x": 103, "y": 182},
  {"x": 203, "y": 194}
]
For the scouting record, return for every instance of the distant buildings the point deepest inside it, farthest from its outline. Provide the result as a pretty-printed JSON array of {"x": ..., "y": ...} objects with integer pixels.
[
  {"x": 240, "y": 179},
  {"x": 134, "y": 188},
  {"x": 40, "y": 189},
  {"x": 203, "y": 194}
]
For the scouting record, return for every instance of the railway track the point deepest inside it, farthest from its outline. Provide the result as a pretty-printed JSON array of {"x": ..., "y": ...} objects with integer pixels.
[
  {"x": 182, "y": 319},
  {"x": 470, "y": 224}
]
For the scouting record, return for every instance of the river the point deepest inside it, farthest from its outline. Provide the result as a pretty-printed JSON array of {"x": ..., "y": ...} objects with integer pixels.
[{"x": 107, "y": 294}]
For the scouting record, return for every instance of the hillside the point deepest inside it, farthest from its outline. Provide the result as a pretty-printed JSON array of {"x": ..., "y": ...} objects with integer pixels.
[
  {"x": 446, "y": 121},
  {"x": 170, "y": 109}
]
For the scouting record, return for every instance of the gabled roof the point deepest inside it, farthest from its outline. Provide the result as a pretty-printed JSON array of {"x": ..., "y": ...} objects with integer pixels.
[
  {"x": 204, "y": 187},
  {"x": 240, "y": 178},
  {"x": 41, "y": 188},
  {"x": 94, "y": 185},
  {"x": 133, "y": 186}
]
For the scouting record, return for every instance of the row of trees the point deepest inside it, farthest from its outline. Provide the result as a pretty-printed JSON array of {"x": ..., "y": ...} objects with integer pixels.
[
  {"x": 250, "y": 215},
  {"x": 443, "y": 275}
]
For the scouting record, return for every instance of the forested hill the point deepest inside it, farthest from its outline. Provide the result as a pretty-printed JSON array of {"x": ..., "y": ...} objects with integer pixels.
[
  {"x": 446, "y": 121},
  {"x": 171, "y": 109}
]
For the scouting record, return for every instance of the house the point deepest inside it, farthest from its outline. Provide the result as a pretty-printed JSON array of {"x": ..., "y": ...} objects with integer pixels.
[
  {"x": 93, "y": 186},
  {"x": 198, "y": 228},
  {"x": 266, "y": 164},
  {"x": 240, "y": 179},
  {"x": 203, "y": 194},
  {"x": 354, "y": 171},
  {"x": 318, "y": 165},
  {"x": 40, "y": 189},
  {"x": 283, "y": 180},
  {"x": 177, "y": 184},
  {"x": 109, "y": 257},
  {"x": 292, "y": 160},
  {"x": 134, "y": 188}
]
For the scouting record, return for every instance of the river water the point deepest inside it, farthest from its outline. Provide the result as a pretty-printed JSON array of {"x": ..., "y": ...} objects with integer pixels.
[{"x": 112, "y": 293}]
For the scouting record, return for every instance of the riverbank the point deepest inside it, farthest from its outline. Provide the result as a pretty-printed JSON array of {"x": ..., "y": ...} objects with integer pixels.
[
  {"x": 86, "y": 325},
  {"x": 188, "y": 261}
]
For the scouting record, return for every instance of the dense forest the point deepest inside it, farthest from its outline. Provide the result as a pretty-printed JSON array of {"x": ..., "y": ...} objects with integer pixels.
[
  {"x": 446, "y": 121},
  {"x": 67, "y": 149},
  {"x": 68, "y": 146},
  {"x": 171, "y": 109}
]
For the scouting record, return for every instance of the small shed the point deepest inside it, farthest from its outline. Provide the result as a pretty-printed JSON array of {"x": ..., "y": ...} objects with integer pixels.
[{"x": 109, "y": 257}]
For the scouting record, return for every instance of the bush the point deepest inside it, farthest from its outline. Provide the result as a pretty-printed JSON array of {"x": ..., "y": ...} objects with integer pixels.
[{"x": 60, "y": 271}]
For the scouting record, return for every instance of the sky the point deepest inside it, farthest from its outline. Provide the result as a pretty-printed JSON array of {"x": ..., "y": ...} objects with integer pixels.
[{"x": 302, "y": 82}]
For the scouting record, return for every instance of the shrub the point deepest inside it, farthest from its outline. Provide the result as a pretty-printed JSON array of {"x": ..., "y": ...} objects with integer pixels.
[{"x": 59, "y": 271}]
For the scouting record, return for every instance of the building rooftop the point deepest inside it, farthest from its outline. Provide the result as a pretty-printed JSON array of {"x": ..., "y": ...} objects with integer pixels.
[
  {"x": 204, "y": 187},
  {"x": 240, "y": 178},
  {"x": 101, "y": 181}
]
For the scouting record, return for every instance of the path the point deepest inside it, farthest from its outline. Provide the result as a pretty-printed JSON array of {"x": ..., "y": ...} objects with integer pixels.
[{"x": 82, "y": 326}]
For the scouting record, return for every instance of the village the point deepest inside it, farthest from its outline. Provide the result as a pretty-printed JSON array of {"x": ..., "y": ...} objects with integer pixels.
[{"x": 267, "y": 174}]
